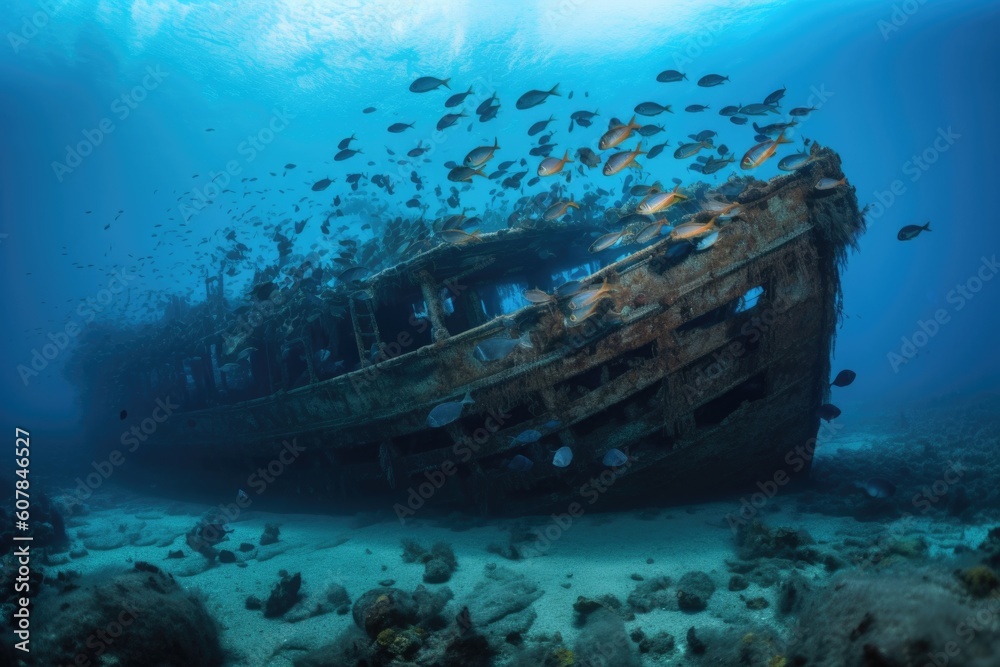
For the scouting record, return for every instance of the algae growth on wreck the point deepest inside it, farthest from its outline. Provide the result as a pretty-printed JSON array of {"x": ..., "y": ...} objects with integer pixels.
[{"x": 548, "y": 334}]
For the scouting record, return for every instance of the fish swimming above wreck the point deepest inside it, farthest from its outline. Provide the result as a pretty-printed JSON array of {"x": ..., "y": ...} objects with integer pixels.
[
  {"x": 370, "y": 373},
  {"x": 561, "y": 320},
  {"x": 501, "y": 335}
]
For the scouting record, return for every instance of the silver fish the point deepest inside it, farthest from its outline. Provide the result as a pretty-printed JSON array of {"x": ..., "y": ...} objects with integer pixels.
[
  {"x": 606, "y": 241},
  {"x": 830, "y": 183},
  {"x": 685, "y": 151},
  {"x": 527, "y": 437},
  {"x": 495, "y": 349},
  {"x": 707, "y": 241},
  {"x": 448, "y": 412},
  {"x": 569, "y": 289},
  {"x": 652, "y": 231},
  {"x": 794, "y": 161},
  {"x": 563, "y": 457},
  {"x": 520, "y": 463},
  {"x": 614, "y": 458}
]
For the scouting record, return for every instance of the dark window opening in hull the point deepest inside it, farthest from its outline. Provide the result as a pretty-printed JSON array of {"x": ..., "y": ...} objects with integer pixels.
[
  {"x": 403, "y": 327},
  {"x": 744, "y": 303},
  {"x": 716, "y": 410},
  {"x": 634, "y": 359},
  {"x": 583, "y": 383},
  {"x": 367, "y": 453},
  {"x": 621, "y": 414},
  {"x": 481, "y": 427},
  {"x": 422, "y": 442}
]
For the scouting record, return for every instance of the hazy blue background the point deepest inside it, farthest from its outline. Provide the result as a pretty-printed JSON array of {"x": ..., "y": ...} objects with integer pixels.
[{"x": 229, "y": 65}]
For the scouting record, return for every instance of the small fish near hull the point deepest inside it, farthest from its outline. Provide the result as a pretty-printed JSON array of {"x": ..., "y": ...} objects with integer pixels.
[{"x": 639, "y": 375}]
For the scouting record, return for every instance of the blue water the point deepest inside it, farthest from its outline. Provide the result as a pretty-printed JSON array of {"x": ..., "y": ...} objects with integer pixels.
[
  {"x": 889, "y": 80},
  {"x": 116, "y": 119}
]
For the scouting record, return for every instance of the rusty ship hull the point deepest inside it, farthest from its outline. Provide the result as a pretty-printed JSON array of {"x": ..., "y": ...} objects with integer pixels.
[{"x": 705, "y": 369}]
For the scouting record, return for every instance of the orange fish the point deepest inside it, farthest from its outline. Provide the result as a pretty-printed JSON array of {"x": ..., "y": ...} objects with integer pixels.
[
  {"x": 559, "y": 209},
  {"x": 617, "y": 135},
  {"x": 458, "y": 237},
  {"x": 619, "y": 161},
  {"x": 760, "y": 153},
  {"x": 691, "y": 230},
  {"x": 589, "y": 296},
  {"x": 659, "y": 201},
  {"x": 551, "y": 165}
]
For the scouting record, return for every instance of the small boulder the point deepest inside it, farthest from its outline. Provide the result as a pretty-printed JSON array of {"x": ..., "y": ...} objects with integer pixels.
[
  {"x": 694, "y": 645},
  {"x": 649, "y": 595},
  {"x": 693, "y": 591},
  {"x": 436, "y": 571},
  {"x": 660, "y": 644},
  {"x": 270, "y": 534},
  {"x": 283, "y": 596},
  {"x": 384, "y": 608}
]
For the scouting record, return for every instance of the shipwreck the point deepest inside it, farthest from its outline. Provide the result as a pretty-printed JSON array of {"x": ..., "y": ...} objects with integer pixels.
[{"x": 704, "y": 368}]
